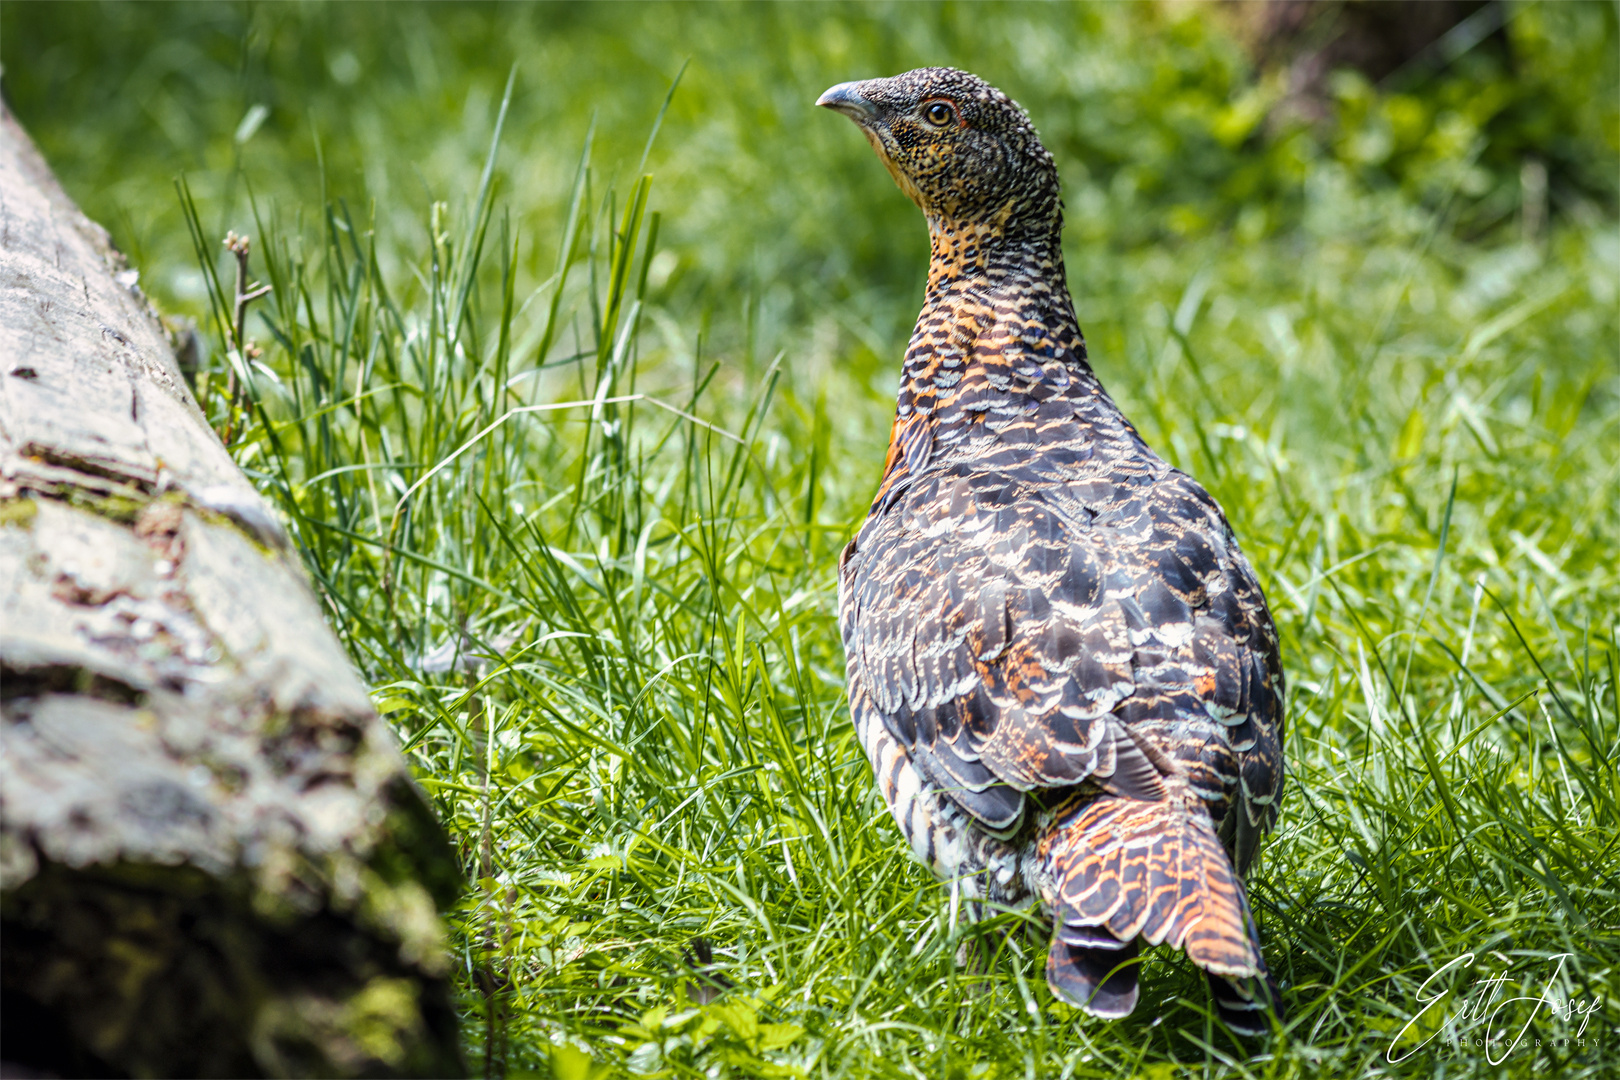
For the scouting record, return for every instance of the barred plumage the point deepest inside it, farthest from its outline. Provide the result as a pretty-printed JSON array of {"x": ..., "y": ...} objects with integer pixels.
[{"x": 1061, "y": 666}]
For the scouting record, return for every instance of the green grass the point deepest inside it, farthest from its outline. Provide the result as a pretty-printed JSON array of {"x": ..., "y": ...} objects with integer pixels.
[{"x": 606, "y": 631}]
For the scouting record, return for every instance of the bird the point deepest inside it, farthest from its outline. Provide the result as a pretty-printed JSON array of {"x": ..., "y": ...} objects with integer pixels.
[{"x": 1060, "y": 664}]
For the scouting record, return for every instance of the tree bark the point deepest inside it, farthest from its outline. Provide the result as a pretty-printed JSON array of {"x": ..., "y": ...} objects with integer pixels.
[{"x": 212, "y": 858}]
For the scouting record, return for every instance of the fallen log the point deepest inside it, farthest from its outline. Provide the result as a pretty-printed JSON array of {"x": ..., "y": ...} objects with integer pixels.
[{"x": 212, "y": 858}]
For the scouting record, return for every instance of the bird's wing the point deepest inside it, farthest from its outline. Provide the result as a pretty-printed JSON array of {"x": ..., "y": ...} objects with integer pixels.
[{"x": 1017, "y": 635}]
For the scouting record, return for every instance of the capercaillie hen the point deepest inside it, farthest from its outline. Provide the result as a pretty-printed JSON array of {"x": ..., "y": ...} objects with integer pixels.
[{"x": 1061, "y": 666}]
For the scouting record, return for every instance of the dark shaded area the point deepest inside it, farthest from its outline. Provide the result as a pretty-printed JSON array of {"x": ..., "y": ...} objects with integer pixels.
[
  {"x": 18, "y": 683},
  {"x": 1379, "y": 38},
  {"x": 168, "y": 972}
]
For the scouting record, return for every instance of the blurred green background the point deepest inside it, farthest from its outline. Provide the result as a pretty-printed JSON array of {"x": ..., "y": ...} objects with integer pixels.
[
  {"x": 1373, "y": 305},
  {"x": 1161, "y": 127}
]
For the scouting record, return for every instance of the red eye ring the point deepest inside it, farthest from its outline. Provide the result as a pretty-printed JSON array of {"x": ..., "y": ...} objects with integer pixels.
[{"x": 939, "y": 114}]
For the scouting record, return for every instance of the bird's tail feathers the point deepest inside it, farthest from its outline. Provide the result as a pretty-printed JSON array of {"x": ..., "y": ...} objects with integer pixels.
[
  {"x": 1155, "y": 870},
  {"x": 1242, "y": 1003},
  {"x": 1099, "y": 978}
]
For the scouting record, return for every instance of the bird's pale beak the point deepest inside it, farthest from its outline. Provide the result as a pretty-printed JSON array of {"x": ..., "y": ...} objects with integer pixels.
[{"x": 845, "y": 98}]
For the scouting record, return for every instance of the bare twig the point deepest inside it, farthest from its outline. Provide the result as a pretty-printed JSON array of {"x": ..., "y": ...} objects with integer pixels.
[{"x": 245, "y": 350}]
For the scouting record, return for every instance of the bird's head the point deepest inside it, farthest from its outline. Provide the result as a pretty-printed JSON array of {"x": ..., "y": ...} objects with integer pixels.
[{"x": 958, "y": 147}]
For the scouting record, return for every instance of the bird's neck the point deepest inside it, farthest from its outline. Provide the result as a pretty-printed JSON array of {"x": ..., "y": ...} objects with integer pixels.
[
  {"x": 993, "y": 251},
  {"x": 997, "y": 332}
]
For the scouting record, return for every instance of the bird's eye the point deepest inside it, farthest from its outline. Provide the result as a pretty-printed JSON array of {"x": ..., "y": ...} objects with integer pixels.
[{"x": 938, "y": 114}]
